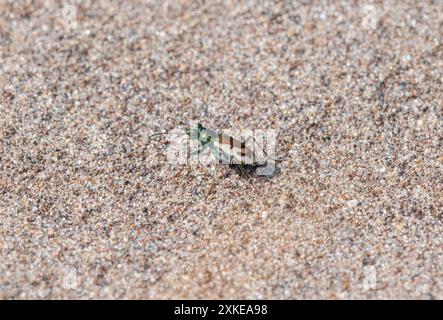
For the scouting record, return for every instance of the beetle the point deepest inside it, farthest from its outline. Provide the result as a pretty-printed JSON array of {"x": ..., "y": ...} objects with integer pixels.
[{"x": 238, "y": 153}]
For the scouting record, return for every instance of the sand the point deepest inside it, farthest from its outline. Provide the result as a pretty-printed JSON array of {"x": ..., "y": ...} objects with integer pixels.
[{"x": 91, "y": 208}]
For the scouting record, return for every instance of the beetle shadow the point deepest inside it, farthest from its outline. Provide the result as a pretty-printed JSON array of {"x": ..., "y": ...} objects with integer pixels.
[{"x": 249, "y": 171}]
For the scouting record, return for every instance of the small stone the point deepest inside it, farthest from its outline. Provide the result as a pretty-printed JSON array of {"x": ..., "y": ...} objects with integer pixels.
[{"x": 353, "y": 203}]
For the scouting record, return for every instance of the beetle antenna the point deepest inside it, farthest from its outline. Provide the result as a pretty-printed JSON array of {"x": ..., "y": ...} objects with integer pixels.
[{"x": 157, "y": 134}]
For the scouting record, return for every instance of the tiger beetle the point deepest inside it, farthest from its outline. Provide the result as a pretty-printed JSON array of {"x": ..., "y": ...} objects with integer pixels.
[{"x": 239, "y": 154}]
